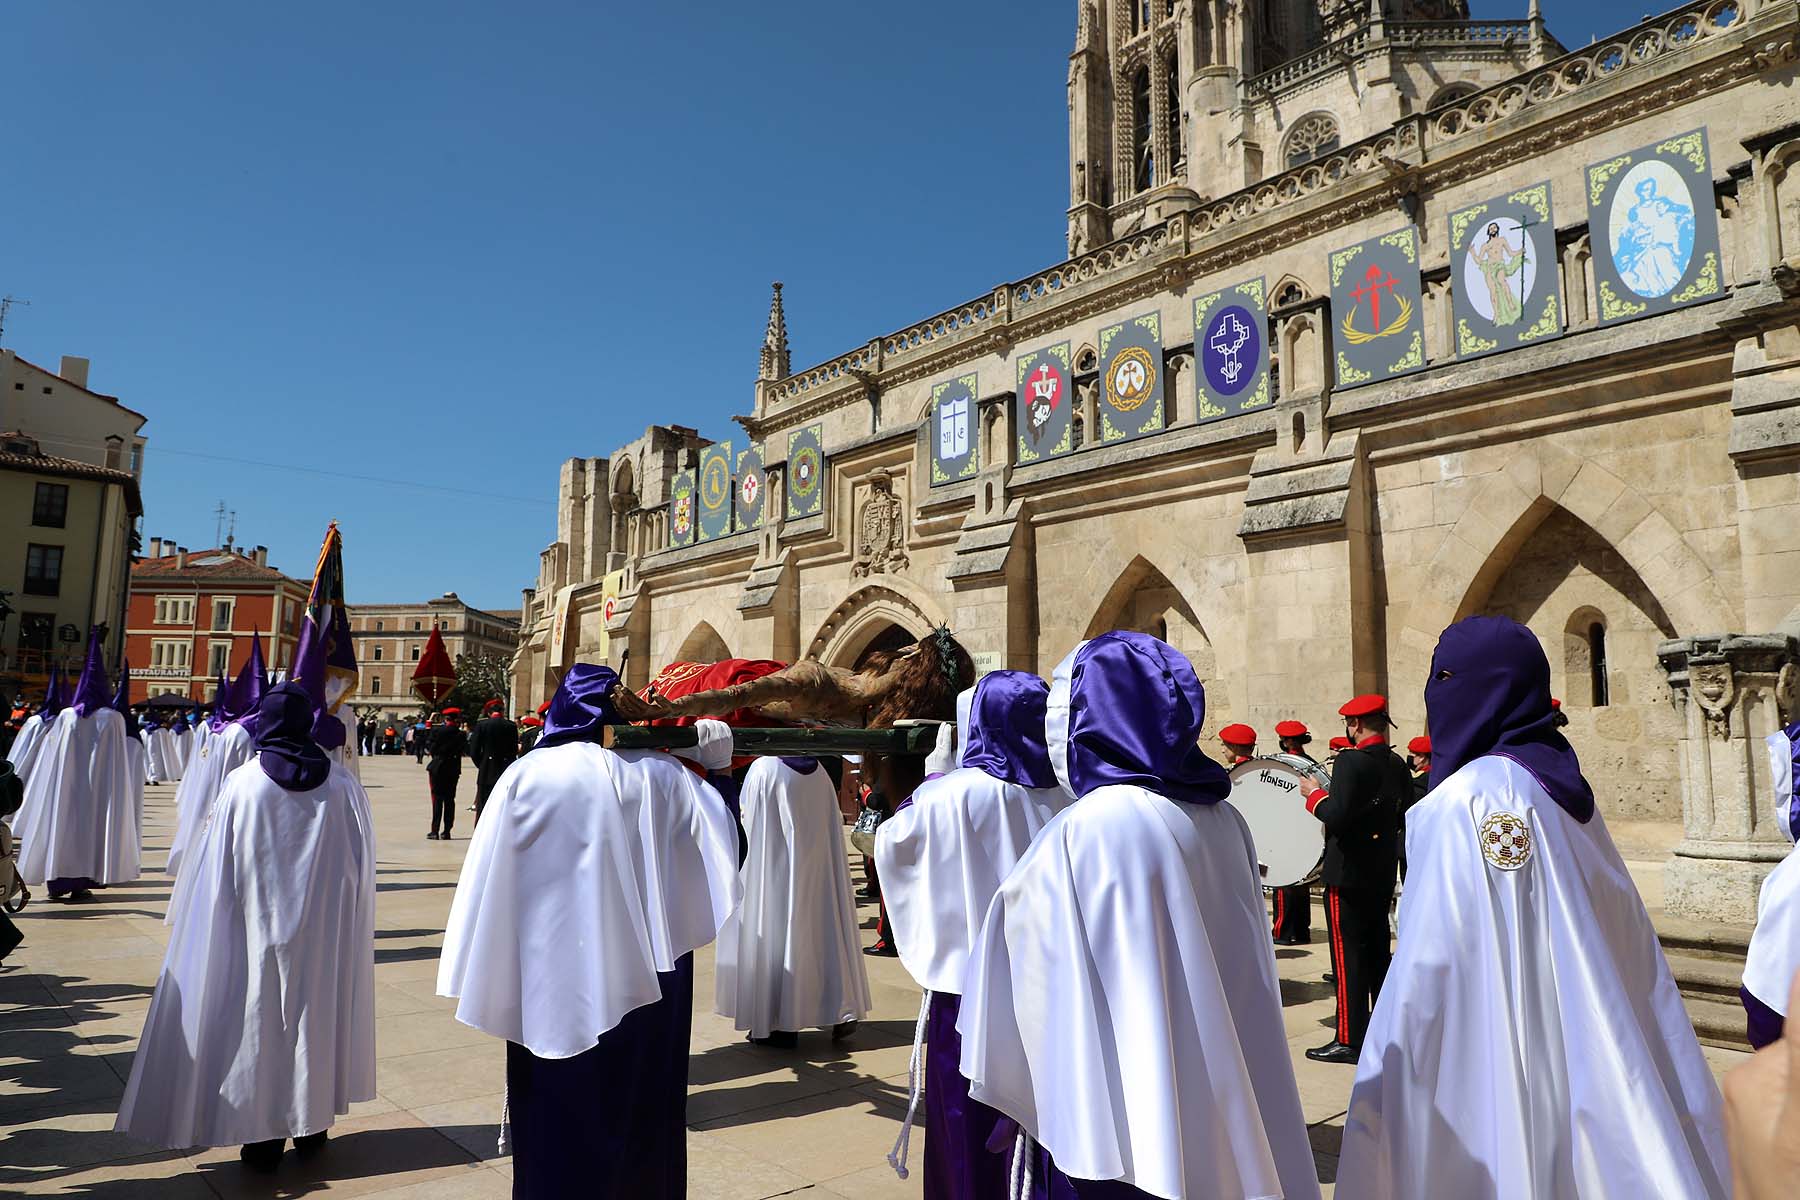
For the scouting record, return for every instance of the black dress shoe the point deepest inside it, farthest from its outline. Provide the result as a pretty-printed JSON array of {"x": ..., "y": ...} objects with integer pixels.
[
  {"x": 882, "y": 949},
  {"x": 1328, "y": 978},
  {"x": 842, "y": 1030},
  {"x": 1336, "y": 1052},
  {"x": 263, "y": 1157},
  {"x": 311, "y": 1144},
  {"x": 431, "y": 837},
  {"x": 778, "y": 1039}
]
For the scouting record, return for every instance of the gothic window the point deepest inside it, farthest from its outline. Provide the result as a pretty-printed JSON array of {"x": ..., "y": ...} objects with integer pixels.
[
  {"x": 1172, "y": 78},
  {"x": 1596, "y": 638},
  {"x": 1450, "y": 92},
  {"x": 1311, "y": 136},
  {"x": 1143, "y": 154}
]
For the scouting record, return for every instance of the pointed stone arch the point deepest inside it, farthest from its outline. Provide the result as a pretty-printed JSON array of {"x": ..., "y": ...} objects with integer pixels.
[
  {"x": 864, "y": 615},
  {"x": 1144, "y": 599},
  {"x": 702, "y": 644},
  {"x": 1507, "y": 508}
]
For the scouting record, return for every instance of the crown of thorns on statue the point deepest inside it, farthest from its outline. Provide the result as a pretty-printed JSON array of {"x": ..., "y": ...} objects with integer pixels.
[{"x": 946, "y": 648}]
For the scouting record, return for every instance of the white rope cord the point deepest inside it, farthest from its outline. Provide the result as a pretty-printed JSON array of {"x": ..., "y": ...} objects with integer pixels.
[
  {"x": 505, "y": 1122},
  {"x": 1018, "y": 1172},
  {"x": 897, "y": 1156}
]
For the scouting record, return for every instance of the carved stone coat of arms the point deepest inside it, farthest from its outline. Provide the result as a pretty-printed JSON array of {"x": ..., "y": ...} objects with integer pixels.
[{"x": 880, "y": 533}]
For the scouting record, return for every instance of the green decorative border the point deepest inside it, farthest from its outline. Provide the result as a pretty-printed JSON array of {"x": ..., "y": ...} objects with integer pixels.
[
  {"x": 1548, "y": 323},
  {"x": 1256, "y": 291},
  {"x": 1414, "y": 357},
  {"x": 1348, "y": 374},
  {"x": 1537, "y": 199},
  {"x": 1459, "y": 225},
  {"x": 1600, "y": 174},
  {"x": 1340, "y": 259},
  {"x": 1470, "y": 342},
  {"x": 1403, "y": 240},
  {"x": 973, "y": 466},
  {"x": 1706, "y": 283},
  {"x": 792, "y": 499},
  {"x": 1062, "y": 353},
  {"x": 1613, "y": 305},
  {"x": 1691, "y": 146}
]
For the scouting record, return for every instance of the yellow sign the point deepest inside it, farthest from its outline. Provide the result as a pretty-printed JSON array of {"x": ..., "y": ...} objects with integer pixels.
[{"x": 609, "y": 606}]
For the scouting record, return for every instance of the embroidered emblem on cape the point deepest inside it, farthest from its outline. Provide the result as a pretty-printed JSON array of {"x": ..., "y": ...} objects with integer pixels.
[{"x": 1505, "y": 841}]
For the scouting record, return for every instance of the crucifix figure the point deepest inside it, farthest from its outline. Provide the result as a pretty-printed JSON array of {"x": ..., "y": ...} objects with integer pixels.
[{"x": 1373, "y": 286}]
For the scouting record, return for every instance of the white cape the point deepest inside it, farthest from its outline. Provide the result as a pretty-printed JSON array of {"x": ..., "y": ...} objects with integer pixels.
[
  {"x": 1775, "y": 946},
  {"x": 1121, "y": 1004},
  {"x": 588, "y": 874},
  {"x": 942, "y": 858},
  {"x": 790, "y": 957},
  {"x": 223, "y": 753},
  {"x": 263, "y": 1021},
  {"x": 24, "y": 750},
  {"x": 134, "y": 777},
  {"x": 80, "y": 816},
  {"x": 1530, "y": 1043},
  {"x": 195, "y": 742},
  {"x": 163, "y": 761}
]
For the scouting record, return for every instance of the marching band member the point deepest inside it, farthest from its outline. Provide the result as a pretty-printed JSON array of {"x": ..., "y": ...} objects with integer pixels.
[
  {"x": 1361, "y": 814},
  {"x": 1120, "y": 1003},
  {"x": 1531, "y": 1044},
  {"x": 262, "y": 1027},
  {"x": 1293, "y": 904},
  {"x": 1775, "y": 946},
  {"x": 1239, "y": 742},
  {"x": 632, "y": 860},
  {"x": 943, "y": 855}
]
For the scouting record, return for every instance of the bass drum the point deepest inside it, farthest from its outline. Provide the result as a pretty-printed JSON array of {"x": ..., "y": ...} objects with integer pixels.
[{"x": 1270, "y": 794}]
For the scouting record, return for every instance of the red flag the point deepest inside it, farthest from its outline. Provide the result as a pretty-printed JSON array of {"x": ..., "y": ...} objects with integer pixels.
[{"x": 434, "y": 676}]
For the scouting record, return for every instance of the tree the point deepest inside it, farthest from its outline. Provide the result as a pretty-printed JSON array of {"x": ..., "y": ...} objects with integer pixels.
[{"x": 479, "y": 678}]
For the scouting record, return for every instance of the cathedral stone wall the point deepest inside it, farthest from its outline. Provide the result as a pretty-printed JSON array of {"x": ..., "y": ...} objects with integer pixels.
[{"x": 1616, "y": 488}]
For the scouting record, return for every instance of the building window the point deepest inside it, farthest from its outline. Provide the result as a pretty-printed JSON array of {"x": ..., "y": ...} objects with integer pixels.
[
  {"x": 1596, "y": 640},
  {"x": 378, "y": 627},
  {"x": 1143, "y": 154},
  {"x": 218, "y": 658},
  {"x": 222, "y": 614},
  {"x": 378, "y": 654},
  {"x": 174, "y": 610},
  {"x": 415, "y": 627},
  {"x": 1310, "y": 137},
  {"x": 415, "y": 654},
  {"x": 169, "y": 654},
  {"x": 1177, "y": 146},
  {"x": 50, "y": 507},
  {"x": 43, "y": 570},
  {"x": 36, "y": 630}
]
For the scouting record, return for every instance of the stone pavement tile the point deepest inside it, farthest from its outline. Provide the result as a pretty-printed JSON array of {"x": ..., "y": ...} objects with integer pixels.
[
  {"x": 21, "y": 988},
  {"x": 55, "y": 1067},
  {"x": 479, "y": 1184},
  {"x": 735, "y": 1080},
  {"x": 392, "y": 1000},
  {"x": 51, "y": 1141},
  {"x": 880, "y": 1182},
  {"x": 406, "y": 1034},
  {"x": 168, "y": 1175},
  {"x": 132, "y": 978},
  {"x": 817, "y": 1137},
  {"x": 364, "y": 1156},
  {"x": 438, "y": 1076},
  {"x": 718, "y": 1170},
  {"x": 473, "y": 1124}
]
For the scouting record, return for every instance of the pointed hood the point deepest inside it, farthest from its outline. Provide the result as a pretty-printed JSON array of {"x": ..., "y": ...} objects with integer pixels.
[
  {"x": 121, "y": 700},
  {"x": 1005, "y": 732},
  {"x": 251, "y": 686},
  {"x": 54, "y": 700},
  {"x": 93, "y": 692},
  {"x": 1126, "y": 708},
  {"x": 221, "y": 704}
]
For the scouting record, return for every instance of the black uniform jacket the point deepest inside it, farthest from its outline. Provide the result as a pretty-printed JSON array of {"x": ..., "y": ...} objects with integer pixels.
[
  {"x": 1370, "y": 786},
  {"x": 446, "y": 746},
  {"x": 493, "y": 746}
]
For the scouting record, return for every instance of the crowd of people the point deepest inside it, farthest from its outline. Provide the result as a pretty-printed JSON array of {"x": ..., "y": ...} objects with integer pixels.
[{"x": 1100, "y": 1010}]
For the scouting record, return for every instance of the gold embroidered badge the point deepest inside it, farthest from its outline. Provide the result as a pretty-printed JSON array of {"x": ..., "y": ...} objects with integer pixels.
[{"x": 1505, "y": 841}]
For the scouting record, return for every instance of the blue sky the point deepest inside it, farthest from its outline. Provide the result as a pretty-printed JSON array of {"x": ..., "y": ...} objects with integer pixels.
[{"x": 424, "y": 252}]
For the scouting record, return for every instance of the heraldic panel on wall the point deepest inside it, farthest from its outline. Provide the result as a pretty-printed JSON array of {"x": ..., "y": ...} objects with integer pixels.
[
  {"x": 953, "y": 429},
  {"x": 1131, "y": 379},
  {"x": 681, "y": 509},
  {"x": 715, "y": 491},
  {"x": 1231, "y": 344},
  {"x": 1043, "y": 404},
  {"x": 1375, "y": 285},
  {"x": 1505, "y": 289},
  {"x": 1654, "y": 229},
  {"x": 747, "y": 498},
  {"x": 805, "y": 473}
]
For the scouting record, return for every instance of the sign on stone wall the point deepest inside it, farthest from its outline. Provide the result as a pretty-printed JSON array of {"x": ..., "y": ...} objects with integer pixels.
[
  {"x": 611, "y": 584},
  {"x": 1231, "y": 351},
  {"x": 715, "y": 491},
  {"x": 1378, "y": 310},
  {"x": 952, "y": 434},
  {"x": 805, "y": 472},
  {"x": 1505, "y": 289},
  {"x": 748, "y": 499},
  {"x": 1043, "y": 404},
  {"x": 681, "y": 509},
  {"x": 1653, "y": 229},
  {"x": 1131, "y": 379}
]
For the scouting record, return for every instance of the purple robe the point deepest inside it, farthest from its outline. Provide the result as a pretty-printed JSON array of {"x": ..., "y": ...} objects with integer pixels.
[{"x": 958, "y": 1162}]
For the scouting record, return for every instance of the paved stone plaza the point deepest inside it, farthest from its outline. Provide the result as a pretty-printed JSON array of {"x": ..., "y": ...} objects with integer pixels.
[{"x": 814, "y": 1122}]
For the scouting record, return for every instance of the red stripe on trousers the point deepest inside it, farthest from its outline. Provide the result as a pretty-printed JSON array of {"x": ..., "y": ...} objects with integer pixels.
[
  {"x": 1280, "y": 911},
  {"x": 1337, "y": 967}
]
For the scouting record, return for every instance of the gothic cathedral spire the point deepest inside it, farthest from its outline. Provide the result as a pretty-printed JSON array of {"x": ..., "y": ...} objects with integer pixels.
[{"x": 774, "y": 362}]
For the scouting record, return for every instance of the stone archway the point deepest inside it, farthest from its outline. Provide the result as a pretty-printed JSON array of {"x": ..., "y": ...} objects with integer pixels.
[
  {"x": 866, "y": 614},
  {"x": 703, "y": 645},
  {"x": 1143, "y": 599},
  {"x": 1506, "y": 510}
]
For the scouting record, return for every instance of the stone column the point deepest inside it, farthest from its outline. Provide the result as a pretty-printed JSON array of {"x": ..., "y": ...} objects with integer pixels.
[{"x": 1731, "y": 691}]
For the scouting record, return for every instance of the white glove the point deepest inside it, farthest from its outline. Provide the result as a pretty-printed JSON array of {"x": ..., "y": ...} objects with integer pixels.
[
  {"x": 943, "y": 758},
  {"x": 712, "y": 747}
]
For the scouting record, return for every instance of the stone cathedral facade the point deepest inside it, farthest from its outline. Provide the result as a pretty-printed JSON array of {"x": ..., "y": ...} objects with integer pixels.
[{"x": 1589, "y": 417}]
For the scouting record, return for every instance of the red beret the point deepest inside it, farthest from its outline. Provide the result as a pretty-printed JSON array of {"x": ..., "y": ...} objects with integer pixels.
[
  {"x": 453, "y": 712},
  {"x": 1238, "y": 735},
  {"x": 1555, "y": 703},
  {"x": 1290, "y": 729},
  {"x": 533, "y": 722},
  {"x": 1340, "y": 743},
  {"x": 1362, "y": 706},
  {"x": 543, "y": 708},
  {"x": 1419, "y": 745},
  {"x": 493, "y": 706}
]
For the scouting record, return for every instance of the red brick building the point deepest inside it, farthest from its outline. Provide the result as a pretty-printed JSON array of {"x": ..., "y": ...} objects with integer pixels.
[{"x": 191, "y": 613}]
